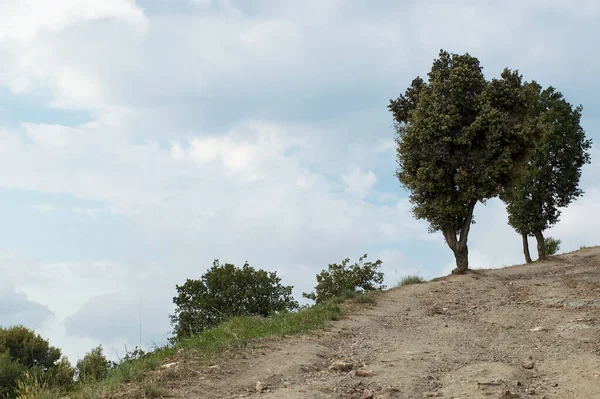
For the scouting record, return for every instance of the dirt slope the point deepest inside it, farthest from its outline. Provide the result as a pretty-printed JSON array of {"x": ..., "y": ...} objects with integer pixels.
[{"x": 520, "y": 332}]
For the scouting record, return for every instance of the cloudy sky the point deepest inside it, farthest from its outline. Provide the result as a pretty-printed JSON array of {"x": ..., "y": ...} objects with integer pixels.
[{"x": 140, "y": 140}]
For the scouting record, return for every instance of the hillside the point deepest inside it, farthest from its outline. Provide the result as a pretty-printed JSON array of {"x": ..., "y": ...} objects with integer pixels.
[{"x": 517, "y": 332}]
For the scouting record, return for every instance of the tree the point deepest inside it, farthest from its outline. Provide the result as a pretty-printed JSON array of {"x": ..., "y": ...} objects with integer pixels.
[
  {"x": 550, "y": 179},
  {"x": 94, "y": 365},
  {"x": 226, "y": 291},
  {"x": 341, "y": 278},
  {"x": 28, "y": 348},
  {"x": 459, "y": 139}
]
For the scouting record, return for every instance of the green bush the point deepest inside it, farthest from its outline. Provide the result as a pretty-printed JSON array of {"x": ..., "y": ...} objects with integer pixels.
[
  {"x": 61, "y": 375},
  {"x": 340, "y": 279},
  {"x": 226, "y": 291},
  {"x": 93, "y": 366},
  {"x": 10, "y": 373},
  {"x": 552, "y": 245}
]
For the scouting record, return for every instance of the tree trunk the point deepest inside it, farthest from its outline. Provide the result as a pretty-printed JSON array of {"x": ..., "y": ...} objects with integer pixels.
[
  {"x": 462, "y": 260},
  {"x": 458, "y": 245},
  {"x": 541, "y": 247},
  {"x": 526, "y": 249}
]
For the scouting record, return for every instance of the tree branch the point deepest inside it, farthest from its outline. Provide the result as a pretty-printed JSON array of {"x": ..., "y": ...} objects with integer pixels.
[{"x": 464, "y": 232}]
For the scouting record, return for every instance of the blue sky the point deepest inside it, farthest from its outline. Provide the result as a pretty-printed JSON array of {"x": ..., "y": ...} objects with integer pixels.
[{"x": 140, "y": 140}]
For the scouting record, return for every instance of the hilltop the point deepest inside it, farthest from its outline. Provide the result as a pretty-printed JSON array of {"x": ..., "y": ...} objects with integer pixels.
[{"x": 517, "y": 332}]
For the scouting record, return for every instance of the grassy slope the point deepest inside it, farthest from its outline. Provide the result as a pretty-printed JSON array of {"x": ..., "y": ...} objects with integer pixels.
[{"x": 238, "y": 332}]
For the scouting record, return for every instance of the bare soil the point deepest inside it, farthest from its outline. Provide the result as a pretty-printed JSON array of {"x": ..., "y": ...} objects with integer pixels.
[{"x": 530, "y": 331}]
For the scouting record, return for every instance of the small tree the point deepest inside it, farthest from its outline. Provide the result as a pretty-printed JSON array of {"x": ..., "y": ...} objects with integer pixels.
[
  {"x": 459, "y": 140},
  {"x": 226, "y": 291},
  {"x": 550, "y": 179},
  {"x": 93, "y": 366},
  {"x": 27, "y": 348},
  {"x": 552, "y": 245},
  {"x": 341, "y": 278}
]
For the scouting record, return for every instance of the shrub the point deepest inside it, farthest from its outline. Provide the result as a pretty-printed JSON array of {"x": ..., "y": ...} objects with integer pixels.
[
  {"x": 407, "y": 280},
  {"x": 339, "y": 279},
  {"x": 61, "y": 375},
  {"x": 93, "y": 366},
  {"x": 10, "y": 373},
  {"x": 552, "y": 245},
  {"x": 226, "y": 291}
]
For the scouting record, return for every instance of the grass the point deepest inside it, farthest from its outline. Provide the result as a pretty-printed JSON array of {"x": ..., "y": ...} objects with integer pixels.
[
  {"x": 235, "y": 333},
  {"x": 408, "y": 280}
]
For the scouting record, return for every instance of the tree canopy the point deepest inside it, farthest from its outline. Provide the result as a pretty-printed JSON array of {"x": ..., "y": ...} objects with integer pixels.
[
  {"x": 459, "y": 140},
  {"x": 27, "y": 348},
  {"x": 226, "y": 291},
  {"x": 550, "y": 178}
]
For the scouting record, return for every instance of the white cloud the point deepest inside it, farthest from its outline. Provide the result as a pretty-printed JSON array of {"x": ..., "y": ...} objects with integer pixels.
[
  {"x": 44, "y": 208},
  {"x": 25, "y": 19},
  {"x": 358, "y": 182}
]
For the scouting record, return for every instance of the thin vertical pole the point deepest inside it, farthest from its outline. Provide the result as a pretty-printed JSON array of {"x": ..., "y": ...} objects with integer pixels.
[{"x": 140, "y": 323}]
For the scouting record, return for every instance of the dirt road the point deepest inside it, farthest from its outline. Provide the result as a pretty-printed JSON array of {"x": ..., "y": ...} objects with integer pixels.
[{"x": 528, "y": 331}]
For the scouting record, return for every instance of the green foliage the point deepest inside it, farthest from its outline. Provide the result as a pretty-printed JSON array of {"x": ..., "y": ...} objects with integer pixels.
[
  {"x": 407, "y": 280},
  {"x": 11, "y": 372},
  {"x": 550, "y": 178},
  {"x": 94, "y": 365},
  {"x": 459, "y": 140},
  {"x": 28, "y": 348},
  {"x": 226, "y": 291},
  {"x": 552, "y": 245},
  {"x": 341, "y": 279},
  {"x": 136, "y": 353}
]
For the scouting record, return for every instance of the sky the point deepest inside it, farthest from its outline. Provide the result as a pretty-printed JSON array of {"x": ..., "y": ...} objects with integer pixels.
[{"x": 141, "y": 140}]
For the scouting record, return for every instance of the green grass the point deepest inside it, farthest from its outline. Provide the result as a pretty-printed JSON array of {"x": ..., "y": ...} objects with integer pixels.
[
  {"x": 408, "y": 280},
  {"x": 235, "y": 333},
  {"x": 238, "y": 332}
]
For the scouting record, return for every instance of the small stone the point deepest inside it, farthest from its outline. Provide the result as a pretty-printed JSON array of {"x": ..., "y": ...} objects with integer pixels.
[
  {"x": 341, "y": 365},
  {"x": 531, "y": 391},
  {"x": 169, "y": 365},
  {"x": 364, "y": 373},
  {"x": 529, "y": 366},
  {"x": 261, "y": 386},
  {"x": 367, "y": 394},
  {"x": 539, "y": 328}
]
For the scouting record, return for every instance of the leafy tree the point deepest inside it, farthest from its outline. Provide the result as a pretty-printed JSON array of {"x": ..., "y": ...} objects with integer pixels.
[
  {"x": 27, "y": 348},
  {"x": 93, "y": 366},
  {"x": 550, "y": 179},
  {"x": 11, "y": 372},
  {"x": 341, "y": 278},
  {"x": 459, "y": 140},
  {"x": 226, "y": 291}
]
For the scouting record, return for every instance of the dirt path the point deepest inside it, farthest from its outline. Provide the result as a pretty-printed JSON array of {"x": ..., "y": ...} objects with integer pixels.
[{"x": 518, "y": 332}]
